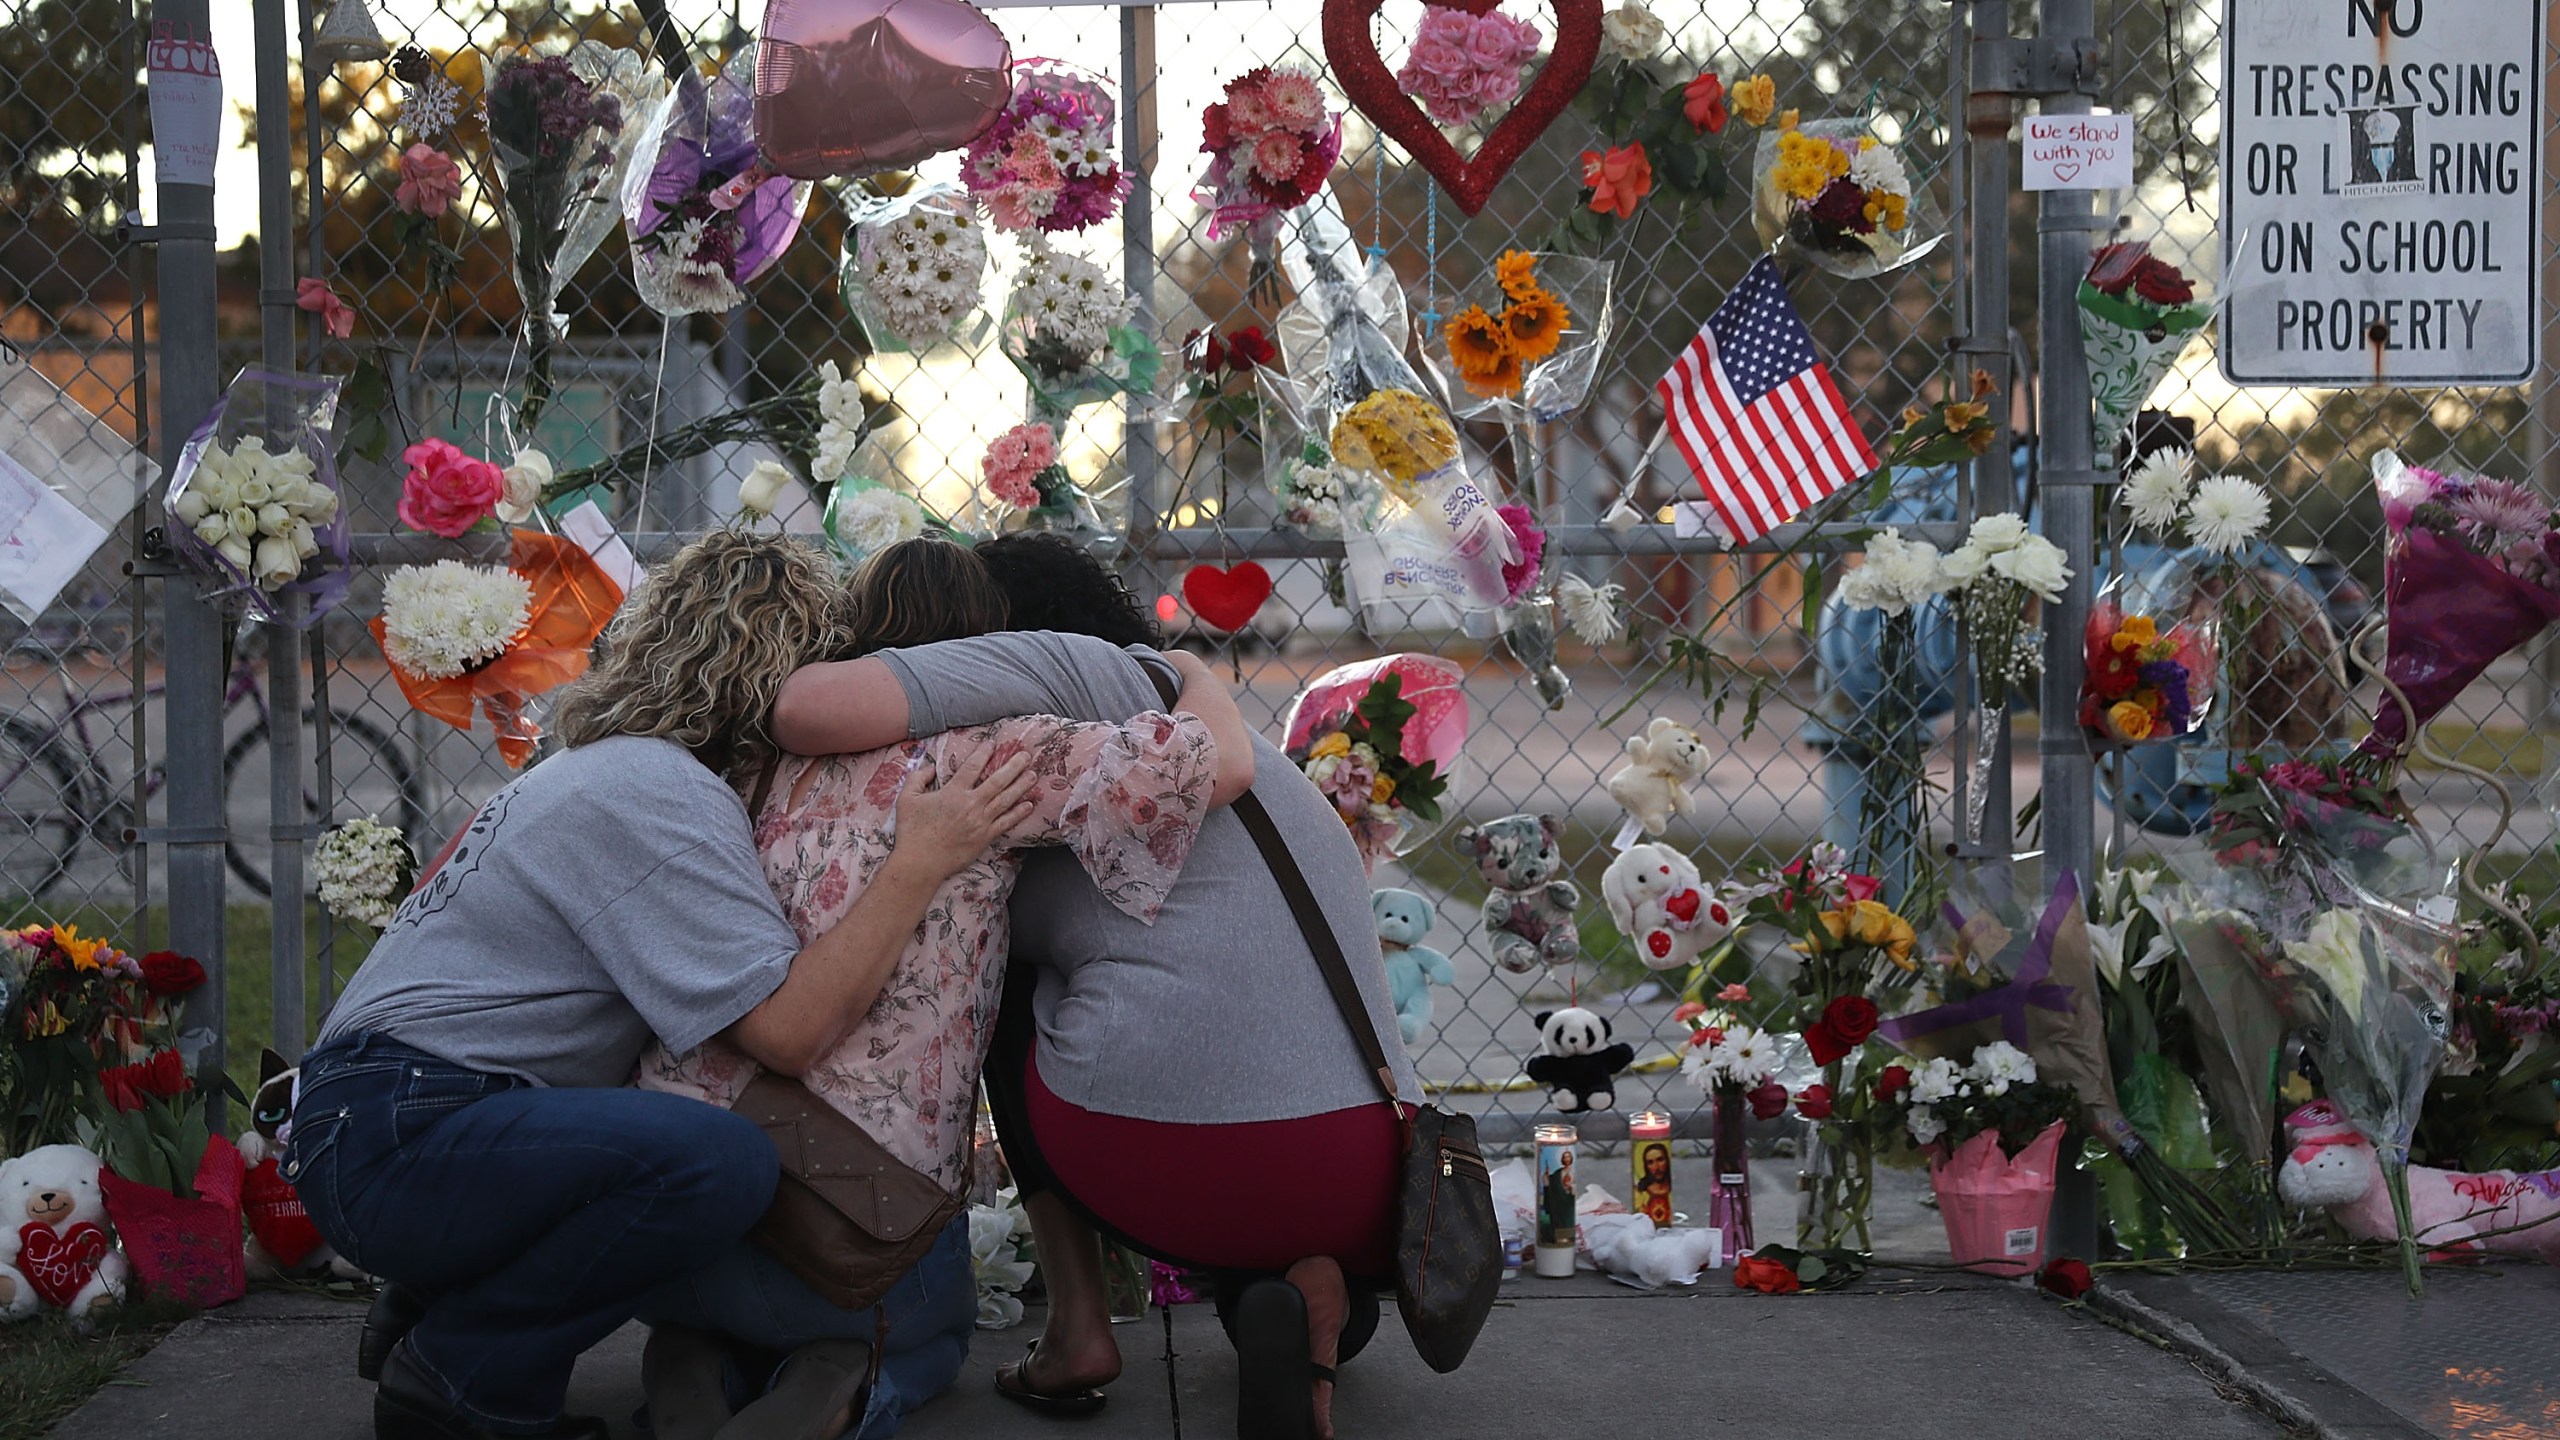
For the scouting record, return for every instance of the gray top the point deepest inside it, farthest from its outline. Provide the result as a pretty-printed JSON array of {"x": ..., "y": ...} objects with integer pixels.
[
  {"x": 1216, "y": 1014},
  {"x": 610, "y": 892}
]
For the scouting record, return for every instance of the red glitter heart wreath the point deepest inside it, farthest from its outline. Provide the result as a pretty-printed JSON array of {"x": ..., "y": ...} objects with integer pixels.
[{"x": 1352, "y": 50}]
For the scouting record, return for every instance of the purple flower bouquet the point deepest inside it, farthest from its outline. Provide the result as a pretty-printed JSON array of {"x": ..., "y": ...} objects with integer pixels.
[{"x": 705, "y": 214}]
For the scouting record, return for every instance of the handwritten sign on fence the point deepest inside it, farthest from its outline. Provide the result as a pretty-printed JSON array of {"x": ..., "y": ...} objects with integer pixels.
[{"x": 2079, "y": 152}]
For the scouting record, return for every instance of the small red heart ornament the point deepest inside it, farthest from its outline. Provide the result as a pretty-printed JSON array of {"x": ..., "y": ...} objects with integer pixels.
[
  {"x": 1683, "y": 906},
  {"x": 1352, "y": 50},
  {"x": 59, "y": 1264},
  {"x": 1226, "y": 599}
]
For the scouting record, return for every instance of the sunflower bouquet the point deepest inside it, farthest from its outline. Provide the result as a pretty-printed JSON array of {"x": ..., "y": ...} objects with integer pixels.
[{"x": 1529, "y": 351}]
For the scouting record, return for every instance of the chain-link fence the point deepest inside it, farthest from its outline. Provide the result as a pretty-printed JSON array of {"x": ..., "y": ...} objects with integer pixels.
[{"x": 434, "y": 346}]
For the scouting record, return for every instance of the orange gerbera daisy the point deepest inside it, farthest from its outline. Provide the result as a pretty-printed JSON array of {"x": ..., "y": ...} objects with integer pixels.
[
  {"x": 1477, "y": 344},
  {"x": 1517, "y": 273},
  {"x": 1503, "y": 378},
  {"x": 1535, "y": 324}
]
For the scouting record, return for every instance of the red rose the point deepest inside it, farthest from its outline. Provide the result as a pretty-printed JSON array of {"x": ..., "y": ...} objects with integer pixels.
[
  {"x": 1769, "y": 1277},
  {"x": 121, "y": 1085},
  {"x": 1825, "y": 1042},
  {"x": 1687, "y": 1010},
  {"x": 1204, "y": 352},
  {"x": 1861, "y": 887},
  {"x": 1814, "y": 1102},
  {"x": 1769, "y": 1101},
  {"x": 164, "y": 1075},
  {"x": 1851, "y": 1017},
  {"x": 1893, "y": 1081},
  {"x": 1216, "y": 133},
  {"x": 1702, "y": 102},
  {"x": 166, "y": 972},
  {"x": 2162, "y": 283},
  {"x": 2066, "y": 1277},
  {"x": 1249, "y": 349}
]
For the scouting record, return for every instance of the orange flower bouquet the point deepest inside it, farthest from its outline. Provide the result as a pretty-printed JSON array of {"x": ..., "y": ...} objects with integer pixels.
[
  {"x": 461, "y": 635},
  {"x": 1529, "y": 351}
]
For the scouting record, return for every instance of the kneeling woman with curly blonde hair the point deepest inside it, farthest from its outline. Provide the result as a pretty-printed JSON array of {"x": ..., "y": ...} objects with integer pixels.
[{"x": 464, "y": 1127}]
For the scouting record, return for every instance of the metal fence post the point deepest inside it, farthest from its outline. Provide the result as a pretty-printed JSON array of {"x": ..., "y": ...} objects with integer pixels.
[
  {"x": 1984, "y": 345},
  {"x": 2069, "y": 469},
  {"x": 194, "y": 628}
]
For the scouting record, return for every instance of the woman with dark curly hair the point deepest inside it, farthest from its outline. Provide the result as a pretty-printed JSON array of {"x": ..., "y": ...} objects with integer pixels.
[{"x": 1126, "y": 1086}]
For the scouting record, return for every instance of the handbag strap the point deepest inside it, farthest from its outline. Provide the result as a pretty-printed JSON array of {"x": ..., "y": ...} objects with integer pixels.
[{"x": 1330, "y": 961}]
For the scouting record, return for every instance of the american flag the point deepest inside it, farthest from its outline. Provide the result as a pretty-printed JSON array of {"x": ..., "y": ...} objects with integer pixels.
[{"x": 1754, "y": 410}]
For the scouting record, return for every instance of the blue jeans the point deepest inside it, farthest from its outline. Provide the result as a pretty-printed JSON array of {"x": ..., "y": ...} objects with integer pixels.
[
  {"x": 534, "y": 1220},
  {"x": 751, "y": 1298}
]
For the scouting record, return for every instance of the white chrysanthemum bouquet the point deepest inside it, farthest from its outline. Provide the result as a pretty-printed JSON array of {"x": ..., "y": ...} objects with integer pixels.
[
  {"x": 1067, "y": 329},
  {"x": 363, "y": 868},
  {"x": 919, "y": 274},
  {"x": 448, "y": 618}
]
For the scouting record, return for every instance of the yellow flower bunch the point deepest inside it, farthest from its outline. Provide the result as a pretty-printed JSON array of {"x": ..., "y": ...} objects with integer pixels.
[
  {"x": 1887, "y": 209},
  {"x": 1336, "y": 743},
  {"x": 83, "y": 953},
  {"x": 2136, "y": 633},
  {"x": 1490, "y": 350},
  {"x": 1806, "y": 165},
  {"x": 1872, "y": 922},
  {"x": 1397, "y": 436}
]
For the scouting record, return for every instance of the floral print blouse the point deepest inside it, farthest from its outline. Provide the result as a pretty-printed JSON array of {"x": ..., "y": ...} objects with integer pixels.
[{"x": 1127, "y": 799}]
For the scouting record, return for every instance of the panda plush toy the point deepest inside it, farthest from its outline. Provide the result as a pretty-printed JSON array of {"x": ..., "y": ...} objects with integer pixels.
[{"x": 1578, "y": 1060}]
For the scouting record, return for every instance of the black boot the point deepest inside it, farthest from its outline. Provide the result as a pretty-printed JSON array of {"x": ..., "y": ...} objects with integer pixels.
[
  {"x": 395, "y": 1312},
  {"x": 407, "y": 1406}
]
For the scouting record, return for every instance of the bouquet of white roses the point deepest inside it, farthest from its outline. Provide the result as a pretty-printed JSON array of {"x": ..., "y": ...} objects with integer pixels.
[{"x": 264, "y": 520}]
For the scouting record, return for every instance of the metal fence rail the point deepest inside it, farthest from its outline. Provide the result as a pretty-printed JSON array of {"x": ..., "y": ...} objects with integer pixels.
[{"x": 317, "y": 732}]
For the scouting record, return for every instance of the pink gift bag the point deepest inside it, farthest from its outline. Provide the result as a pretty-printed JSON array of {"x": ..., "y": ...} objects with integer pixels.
[{"x": 1996, "y": 1207}]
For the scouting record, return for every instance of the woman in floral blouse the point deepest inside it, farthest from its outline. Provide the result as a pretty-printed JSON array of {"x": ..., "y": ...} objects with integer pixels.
[{"x": 1126, "y": 799}]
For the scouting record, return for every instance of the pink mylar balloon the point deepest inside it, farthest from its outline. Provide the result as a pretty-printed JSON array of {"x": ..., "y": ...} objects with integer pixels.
[{"x": 853, "y": 87}]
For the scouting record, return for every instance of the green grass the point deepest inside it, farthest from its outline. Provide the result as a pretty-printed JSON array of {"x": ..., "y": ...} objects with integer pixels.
[
  {"x": 48, "y": 1369},
  {"x": 248, "y": 948}
]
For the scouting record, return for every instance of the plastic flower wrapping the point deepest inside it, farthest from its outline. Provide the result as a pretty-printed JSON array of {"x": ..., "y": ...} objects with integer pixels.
[
  {"x": 1529, "y": 346},
  {"x": 1022, "y": 471},
  {"x": 1046, "y": 164},
  {"x": 705, "y": 215},
  {"x": 914, "y": 268},
  {"x": 1462, "y": 65},
  {"x": 362, "y": 868},
  {"x": 1842, "y": 197},
  {"x": 2144, "y": 681},
  {"x": 1382, "y": 739},
  {"x": 2137, "y": 312},
  {"x": 1271, "y": 143},
  {"x": 1066, "y": 328},
  {"x": 1429, "y": 536},
  {"x": 264, "y": 521},
  {"x": 2472, "y": 571},
  {"x": 561, "y": 128},
  {"x": 2272, "y": 677},
  {"x": 460, "y": 637}
]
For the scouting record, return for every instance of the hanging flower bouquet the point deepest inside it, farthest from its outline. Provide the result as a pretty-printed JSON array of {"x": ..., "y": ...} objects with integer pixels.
[
  {"x": 2137, "y": 312},
  {"x": 459, "y": 636},
  {"x": 363, "y": 867},
  {"x": 1381, "y": 739},
  {"x": 1656, "y": 136},
  {"x": 1023, "y": 472},
  {"x": 1271, "y": 143},
  {"x": 1528, "y": 351},
  {"x": 2140, "y": 683},
  {"x": 1046, "y": 164},
  {"x": 1843, "y": 197},
  {"x": 558, "y": 128},
  {"x": 2000, "y": 566},
  {"x": 2472, "y": 572},
  {"x": 915, "y": 270},
  {"x": 1066, "y": 328},
  {"x": 705, "y": 214},
  {"x": 264, "y": 522},
  {"x": 818, "y": 423}
]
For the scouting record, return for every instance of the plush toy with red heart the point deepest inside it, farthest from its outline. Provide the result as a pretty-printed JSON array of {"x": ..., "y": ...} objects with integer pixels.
[
  {"x": 282, "y": 1239},
  {"x": 55, "y": 1246},
  {"x": 1660, "y": 904}
]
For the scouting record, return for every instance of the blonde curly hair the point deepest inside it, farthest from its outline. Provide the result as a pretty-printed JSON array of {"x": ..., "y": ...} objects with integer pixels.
[{"x": 699, "y": 654}]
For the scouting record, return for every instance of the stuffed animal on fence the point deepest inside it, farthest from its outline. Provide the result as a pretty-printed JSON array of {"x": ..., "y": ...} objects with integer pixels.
[
  {"x": 55, "y": 1244},
  {"x": 1578, "y": 1063},
  {"x": 1666, "y": 912},
  {"x": 2332, "y": 1166},
  {"x": 282, "y": 1240},
  {"x": 1529, "y": 913},
  {"x": 1662, "y": 763},
  {"x": 1412, "y": 967}
]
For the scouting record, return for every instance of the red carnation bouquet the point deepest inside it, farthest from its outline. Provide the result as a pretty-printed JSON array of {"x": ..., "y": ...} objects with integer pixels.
[{"x": 2137, "y": 312}]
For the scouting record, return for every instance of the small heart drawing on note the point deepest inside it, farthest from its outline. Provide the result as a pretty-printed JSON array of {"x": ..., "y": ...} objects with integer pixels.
[{"x": 2066, "y": 173}]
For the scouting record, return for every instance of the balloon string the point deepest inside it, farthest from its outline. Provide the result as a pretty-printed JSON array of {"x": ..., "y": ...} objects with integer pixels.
[{"x": 649, "y": 444}]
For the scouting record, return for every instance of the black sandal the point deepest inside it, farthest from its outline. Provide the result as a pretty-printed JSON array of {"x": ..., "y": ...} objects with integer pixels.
[
  {"x": 1064, "y": 1404},
  {"x": 1275, "y": 1376}
]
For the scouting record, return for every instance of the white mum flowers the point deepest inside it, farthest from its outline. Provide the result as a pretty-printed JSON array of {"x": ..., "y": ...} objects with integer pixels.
[
  {"x": 922, "y": 270},
  {"x": 362, "y": 867},
  {"x": 444, "y": 619}
]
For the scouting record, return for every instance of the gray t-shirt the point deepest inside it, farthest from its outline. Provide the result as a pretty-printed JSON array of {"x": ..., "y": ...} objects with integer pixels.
[
  {"x": 1216, "y": 1014},
  {"x": 608, "y": 893}
]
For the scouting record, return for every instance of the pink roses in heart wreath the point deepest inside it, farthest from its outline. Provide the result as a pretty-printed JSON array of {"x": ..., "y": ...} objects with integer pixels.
[{"x": 1462, "y": 65}]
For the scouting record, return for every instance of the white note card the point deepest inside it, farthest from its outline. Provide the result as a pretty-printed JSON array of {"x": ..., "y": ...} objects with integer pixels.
[
  {"x": 44, "y": 539},
  {"x": 2078, "y": 152}
]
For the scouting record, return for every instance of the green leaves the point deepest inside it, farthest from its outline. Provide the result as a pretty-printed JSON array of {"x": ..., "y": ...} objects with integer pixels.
[
  {"x": 1825, "y": 1269},
  {"x": 366, "y": 398}
]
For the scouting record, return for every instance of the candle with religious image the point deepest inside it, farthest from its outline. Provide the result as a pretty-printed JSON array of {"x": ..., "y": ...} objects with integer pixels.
[
  {"x": 1649, "y": 1157},
  {"x": 1556, "y": 1229}
]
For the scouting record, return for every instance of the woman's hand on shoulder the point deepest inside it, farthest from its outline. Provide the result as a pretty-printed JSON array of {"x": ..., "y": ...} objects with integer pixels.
[{"x": 943, "y": 828}]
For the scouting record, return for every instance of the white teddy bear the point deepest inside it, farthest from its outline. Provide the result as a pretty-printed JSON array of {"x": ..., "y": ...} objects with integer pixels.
[
  {"x": 55, "y": 1247},
  {"x": 1662, "y": 907},
  {"x": 1662, "y": 763}
]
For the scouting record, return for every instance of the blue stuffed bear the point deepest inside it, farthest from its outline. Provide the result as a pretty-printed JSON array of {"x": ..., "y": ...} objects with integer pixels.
[{"x": 1412, "y": 967}]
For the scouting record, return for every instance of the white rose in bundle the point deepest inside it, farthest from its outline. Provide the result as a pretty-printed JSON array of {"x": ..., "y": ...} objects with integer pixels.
[
  {"x": 276, "y": 563},
  {"x": 525, "y": 479},
  {"x": 273, "y": 518},
  {"x": 235, "y": 548},
  {"x": 2036, "y": 564},
  {"x": 244, "y": 520},
  {"x": 253, "y": 489},
  {"x": 191, "y": 506},
  {"x": 764, "y": 487}
]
